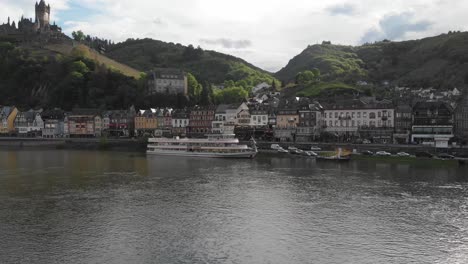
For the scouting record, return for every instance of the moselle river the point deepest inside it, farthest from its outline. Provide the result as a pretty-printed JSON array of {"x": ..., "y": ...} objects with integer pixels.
[{"x": 105, "y": 207}]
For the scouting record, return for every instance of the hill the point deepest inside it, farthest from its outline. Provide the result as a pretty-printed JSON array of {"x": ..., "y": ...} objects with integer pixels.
[
  {"x": 439, "y": 62},
  {"x": 208, "y": 66},
  {"x": 35, "y": 76},
  {"x": 68, "y": 49}
]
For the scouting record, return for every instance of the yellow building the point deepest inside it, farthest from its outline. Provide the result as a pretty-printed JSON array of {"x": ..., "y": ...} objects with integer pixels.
[
  {"x": 287, "y": 119},
  {"x": 7, "y": 119},
  {"x": 146, "y": 121}
]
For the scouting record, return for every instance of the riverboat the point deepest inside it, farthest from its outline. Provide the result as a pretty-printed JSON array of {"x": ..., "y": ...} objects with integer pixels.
[{"x": 213, "y": 146}]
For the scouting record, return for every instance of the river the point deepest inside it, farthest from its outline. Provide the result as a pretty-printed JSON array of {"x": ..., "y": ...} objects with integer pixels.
[{"x": 115, "y": 207}]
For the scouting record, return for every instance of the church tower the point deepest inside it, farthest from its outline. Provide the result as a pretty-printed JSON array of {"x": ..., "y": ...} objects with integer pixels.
[{"x": 42, "y": 15}]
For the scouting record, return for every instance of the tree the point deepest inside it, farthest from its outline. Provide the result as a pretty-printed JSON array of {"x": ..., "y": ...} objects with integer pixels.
[
  {"x": 194, "y": 88},
  {"x": 78, "y": 35}
]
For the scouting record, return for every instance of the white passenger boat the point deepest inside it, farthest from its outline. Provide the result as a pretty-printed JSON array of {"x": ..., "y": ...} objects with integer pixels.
[{"x": 214, "y": 146}]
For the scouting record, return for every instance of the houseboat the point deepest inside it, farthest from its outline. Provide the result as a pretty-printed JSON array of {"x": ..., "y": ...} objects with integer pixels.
[{"x": 213, "y": 146}]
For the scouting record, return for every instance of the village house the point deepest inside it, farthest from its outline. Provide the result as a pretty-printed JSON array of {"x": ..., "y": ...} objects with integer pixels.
[
  {"x": 403, "y": 124},
  {"x": 201, "y": 119},
  {"x": 310, "y": 122},
  {"x": 259, "y": 118},
  {"x": 53, "y": 123},
  {"x": 81, "y": 123},
  {"x": 180, "y": 121},
  {"x": 164, "y": 123},
  {"x": 119, "y": 123},
  {"x": 227, "y": 118},
  {"x": 7, "y": 120},
  {"x": 461, "y": 118},
  {"x": 262, "y": 87},
  {"x": 432, "y": 124},
  {"x": 146, "y": 122},
  {"x": 286, "y": 125},
  {"x": 29, "y": 123},
  {"x": 352, "y": 119},
  {"x": 167, "y": 81}
]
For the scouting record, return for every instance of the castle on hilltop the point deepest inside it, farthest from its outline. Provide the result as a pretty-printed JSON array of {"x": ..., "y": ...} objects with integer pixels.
[{"x": 28, "y": 29}]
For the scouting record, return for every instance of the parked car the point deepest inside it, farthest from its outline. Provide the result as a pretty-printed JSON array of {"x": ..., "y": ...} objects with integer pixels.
[
  {"x": 315, "y": 148},
  {"x": 446, "y": 156},
  {"x": 366, "y": 141},
  {"x": 282, "y": 150},
  {"x": 403, "y": 154},
  {"x": 424, "y": 154},
  {"x": 367, "y": 153},
  {"x": 275, "y": 146},
  {"x": 311, "y": 153},
  {"x": 383, "y": 153}
]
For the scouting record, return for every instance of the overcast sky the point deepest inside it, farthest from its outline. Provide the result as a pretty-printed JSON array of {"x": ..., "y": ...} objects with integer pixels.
[{"x": 267, "y": 33}]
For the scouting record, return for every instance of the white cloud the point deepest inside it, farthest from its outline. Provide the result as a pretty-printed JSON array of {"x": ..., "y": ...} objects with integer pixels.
[{"x": 276, "y": 30}]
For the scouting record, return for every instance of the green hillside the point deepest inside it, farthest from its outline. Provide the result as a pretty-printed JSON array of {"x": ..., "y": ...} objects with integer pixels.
[
  {"x": 439, "y": 62},
  {"x": 207, "y": 66},
  {"x": 68, "y": 49}
]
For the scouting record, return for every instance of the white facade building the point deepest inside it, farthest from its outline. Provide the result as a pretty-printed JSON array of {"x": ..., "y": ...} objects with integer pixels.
[{"x": 350, "y": 120}]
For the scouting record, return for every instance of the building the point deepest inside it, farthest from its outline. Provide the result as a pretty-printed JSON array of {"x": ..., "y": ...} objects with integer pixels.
[
  {"x": 286, "y": 125},
  {"x": 164, "y": 123},
  {"x": 261, "y": 87},
  {"x": 310, "y": 122},
  {"x": 432, "y": 124},
  {"x": 53, "y": 123},
  {"x": 29, "y": 123},
  {"x": 259, "y": 118},
  {"x": 349, "y": 120},
  {"x": 119, "y": 123},
  {"x": 200, "y": 121},
  {"x": 146, "y": 122},
  {"x": 7, "y": 120},
  {"x": 167, "y": 81},
  {"x": 403, "y": 124},
  {"x": 220, "y": 124},
  {"x": 227, "y": 118},
  {"x": 461, "y": 118},
  {"x": 82, "y": 123},
  {"x": 180, "y": 122}
]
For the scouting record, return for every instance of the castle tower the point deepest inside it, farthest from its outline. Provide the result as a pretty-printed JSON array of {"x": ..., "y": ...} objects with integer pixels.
[{"x": 42, "y": 15}]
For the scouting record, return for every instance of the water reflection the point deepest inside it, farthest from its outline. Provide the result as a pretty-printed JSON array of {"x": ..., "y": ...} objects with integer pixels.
[{"x": 103, "y": 207}]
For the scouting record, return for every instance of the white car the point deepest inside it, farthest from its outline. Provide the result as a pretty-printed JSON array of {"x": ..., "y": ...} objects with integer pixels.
[
  {"x": 311, "y": 153},
  {"x": 275, "y": 146},
  {"x": 315, "y": 148},
  {"x": 383, "y": 153},
  {"x": 366, "y": 141},
  {"x": 403, "y": 154},
  {"x": 282, "y": 150}
]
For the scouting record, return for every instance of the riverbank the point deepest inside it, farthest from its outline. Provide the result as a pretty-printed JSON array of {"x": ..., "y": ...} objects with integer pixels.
[
  {"x": 127, "y": 144},
  {"x": 74, "y": 143}
]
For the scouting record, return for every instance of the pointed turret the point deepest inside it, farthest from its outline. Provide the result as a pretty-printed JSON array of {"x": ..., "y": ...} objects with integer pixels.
[{"x": 8, "y": 20}]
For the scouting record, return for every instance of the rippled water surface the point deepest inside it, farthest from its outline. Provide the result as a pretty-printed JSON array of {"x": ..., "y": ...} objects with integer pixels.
[{"x": 104, "y": 207}]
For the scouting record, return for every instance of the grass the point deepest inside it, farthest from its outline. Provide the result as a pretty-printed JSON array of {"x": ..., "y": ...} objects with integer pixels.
[
  {"x": 317, "y": 89},
  {"x": 68, "y": 50}
]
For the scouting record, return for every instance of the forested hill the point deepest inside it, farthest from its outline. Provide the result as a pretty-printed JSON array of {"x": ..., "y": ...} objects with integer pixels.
[
  {"x": 208, "y": 66},
  {"x": 439, "y": 62}
]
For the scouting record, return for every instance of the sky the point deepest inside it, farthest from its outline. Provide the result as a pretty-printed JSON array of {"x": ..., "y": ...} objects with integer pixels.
[{"x": 266, "y": 33}]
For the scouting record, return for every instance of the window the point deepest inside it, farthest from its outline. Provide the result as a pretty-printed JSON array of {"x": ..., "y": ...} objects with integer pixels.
[
  {"x": 358, "y": 114},
  {"x": 336, "y": 114},
  {"x": 372, "y": 115},
  {"x": 380, "y": 114},
  {"x": 330, "y": 123}
]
